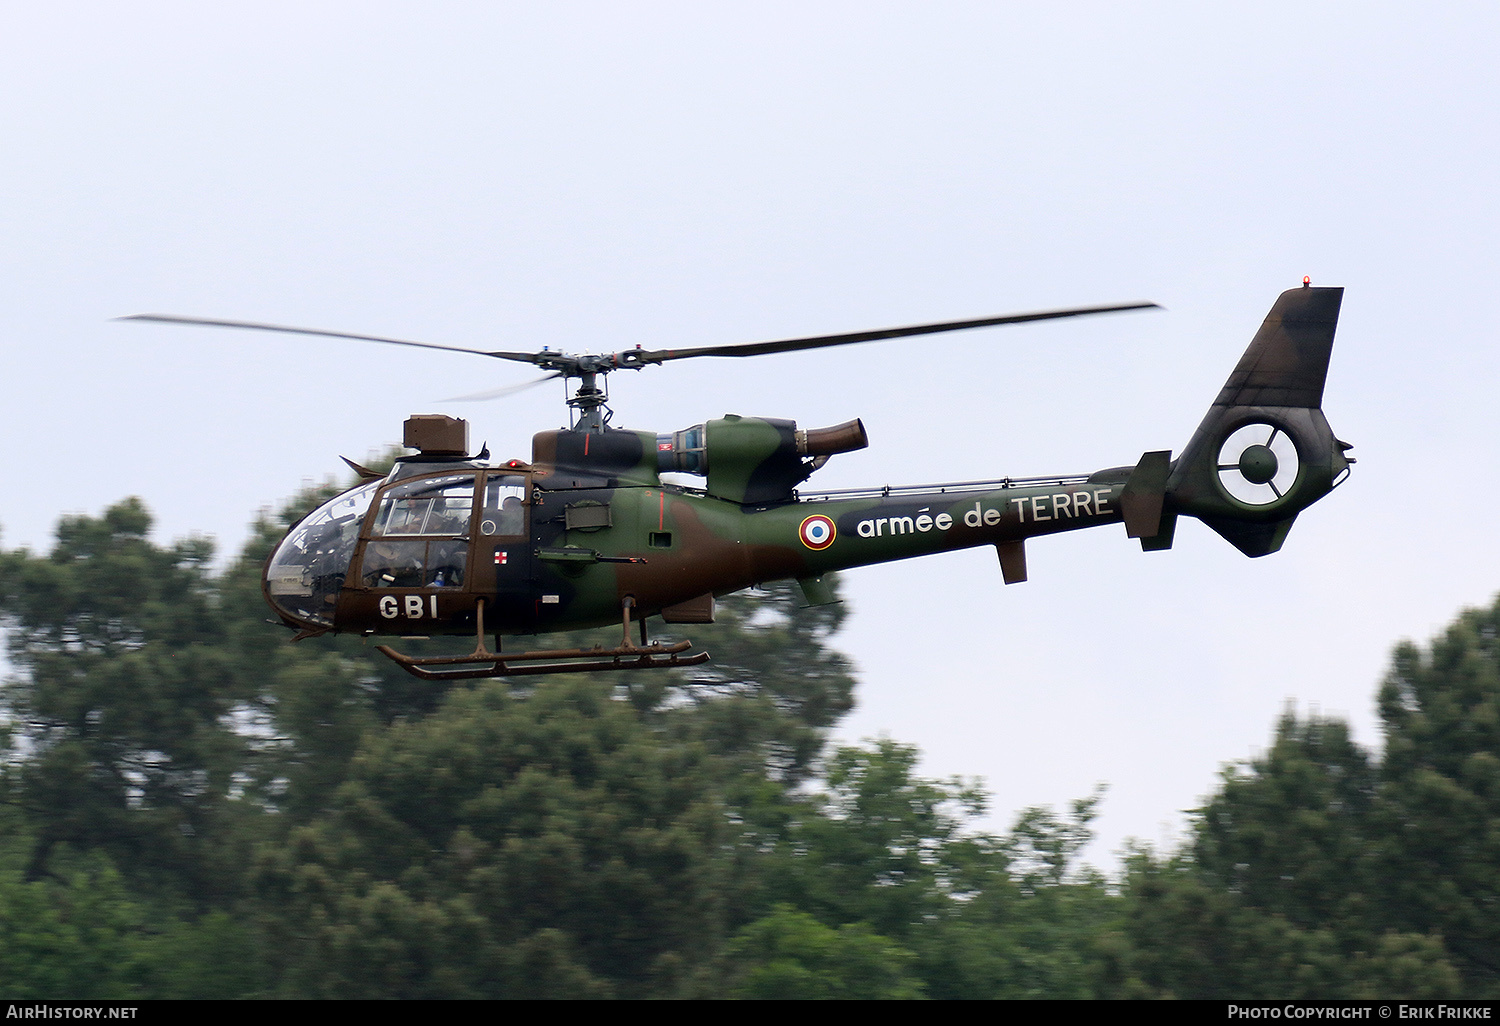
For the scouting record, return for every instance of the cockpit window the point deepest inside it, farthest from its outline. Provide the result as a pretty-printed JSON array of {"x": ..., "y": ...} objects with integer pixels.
[
  {"x": 420, "y": 538},
  {"x": 429, "y": 505},
  {"x": 504, "y": 511},
  {"x": 308, "y": 567}
]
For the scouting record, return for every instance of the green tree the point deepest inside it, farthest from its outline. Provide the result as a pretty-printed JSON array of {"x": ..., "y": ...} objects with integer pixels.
[
  {"x": 123, "y": 701},
  {"x": 550, "y": 845},
  {"x": 75, "y": 935},
  {"x": 775, "y": 684},
  {"x": 1291, "y": 831},
  {"x": 1184, "y": 936},
  {"x": 1439, "y": 810},
  {"x": 882, "y": 845},
  {"x": 770, "y": 693},
  {"x": 1058, "y": 927},
  {"x": 898, "y": 857},
  {"x": 1282, "y": 893},
  {"x": 790, "y": 955}
]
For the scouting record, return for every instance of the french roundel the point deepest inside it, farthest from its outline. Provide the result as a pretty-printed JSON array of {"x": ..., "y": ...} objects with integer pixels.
[{"x": 817, "y": 532}]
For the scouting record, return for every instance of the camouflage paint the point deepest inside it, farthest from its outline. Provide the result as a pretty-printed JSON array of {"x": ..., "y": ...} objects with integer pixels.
[{"x": 604, "y": 527}]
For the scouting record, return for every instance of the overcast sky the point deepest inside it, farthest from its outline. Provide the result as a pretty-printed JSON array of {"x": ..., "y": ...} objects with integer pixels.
[{"x": 593, "y": 176}]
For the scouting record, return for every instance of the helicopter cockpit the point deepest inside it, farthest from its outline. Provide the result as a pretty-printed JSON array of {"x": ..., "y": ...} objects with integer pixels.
[
  {"x": 417, "y": 538},
  {"x": 430, "y": 522},
  {"x": 420, "y": 538}
]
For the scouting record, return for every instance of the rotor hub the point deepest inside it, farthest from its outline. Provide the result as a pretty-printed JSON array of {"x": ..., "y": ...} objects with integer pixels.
[{"x": 1258, "y": 464}]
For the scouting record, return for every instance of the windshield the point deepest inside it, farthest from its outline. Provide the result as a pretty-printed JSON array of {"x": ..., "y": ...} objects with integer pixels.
[{"x": 308, "y": 567}]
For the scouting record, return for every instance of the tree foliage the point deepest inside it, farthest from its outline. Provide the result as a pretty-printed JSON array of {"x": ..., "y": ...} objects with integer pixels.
[
  {"x": 123, "y": 700},
  {"x": 497, "y": 831},
  {"x": 191, "y": 806},
  {"x": 356, "y": 825},
  {"x": 1439, "y": 810}
]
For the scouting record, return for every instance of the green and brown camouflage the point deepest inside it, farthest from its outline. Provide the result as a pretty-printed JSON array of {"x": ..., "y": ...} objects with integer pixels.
[{"x": 589, "y": 531}]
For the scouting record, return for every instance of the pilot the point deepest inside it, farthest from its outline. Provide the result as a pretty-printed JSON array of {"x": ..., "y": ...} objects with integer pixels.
[
  {"x": 407, "y": 517},
  {"x": 393, "y": 564},
  {"x": 512, "y": 516},
  {"x": 450, "y": 519}
]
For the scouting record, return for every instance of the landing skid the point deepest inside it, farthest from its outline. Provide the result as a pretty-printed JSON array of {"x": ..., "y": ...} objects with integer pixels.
[{"x": 484, "y": 663}]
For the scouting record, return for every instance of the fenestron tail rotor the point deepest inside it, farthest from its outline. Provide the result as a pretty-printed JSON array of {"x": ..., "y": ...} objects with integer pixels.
[
  {"x": 1258, "y": 463},
  {"x": 1264, "y": 450}
]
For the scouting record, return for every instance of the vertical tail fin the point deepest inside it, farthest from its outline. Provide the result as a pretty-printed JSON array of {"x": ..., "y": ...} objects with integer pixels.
[{"x": 1265, "y": 451}]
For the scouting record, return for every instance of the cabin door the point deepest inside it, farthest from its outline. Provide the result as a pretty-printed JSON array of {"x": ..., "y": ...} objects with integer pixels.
[{"x": 502, "y": 562}]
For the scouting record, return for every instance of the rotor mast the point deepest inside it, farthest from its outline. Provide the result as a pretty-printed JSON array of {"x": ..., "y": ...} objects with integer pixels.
[{"x": 589, "y": 400}]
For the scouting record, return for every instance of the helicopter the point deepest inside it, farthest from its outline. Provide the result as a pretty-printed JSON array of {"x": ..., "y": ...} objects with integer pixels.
[{"x": 587, "y": 532}]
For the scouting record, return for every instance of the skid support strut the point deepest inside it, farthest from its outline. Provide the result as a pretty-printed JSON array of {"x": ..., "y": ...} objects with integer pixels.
[{"x": 484, "y": 663}]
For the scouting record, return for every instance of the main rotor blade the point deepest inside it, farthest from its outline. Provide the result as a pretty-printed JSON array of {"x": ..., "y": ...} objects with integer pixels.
[
  {"x": 501, "y": 393},
  {"x": 788, "y": 345},
  {"x": 285, "y": 329}
]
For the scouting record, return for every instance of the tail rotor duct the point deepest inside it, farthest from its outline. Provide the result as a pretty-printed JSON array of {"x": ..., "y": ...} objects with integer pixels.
[{"x": 1258, "y": 464}]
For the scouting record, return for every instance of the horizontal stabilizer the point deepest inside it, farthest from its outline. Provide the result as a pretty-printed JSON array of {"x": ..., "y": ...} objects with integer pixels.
[
  {"x": 1162, "y": 540},
  {"x": 1141, "y": 498}
]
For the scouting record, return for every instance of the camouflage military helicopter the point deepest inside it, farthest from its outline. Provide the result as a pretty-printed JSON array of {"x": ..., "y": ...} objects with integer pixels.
[{"x": 587, "y": 532}]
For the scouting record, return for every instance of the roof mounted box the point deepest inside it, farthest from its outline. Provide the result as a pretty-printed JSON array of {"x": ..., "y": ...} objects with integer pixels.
[{"x": 436, "y": 434}]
